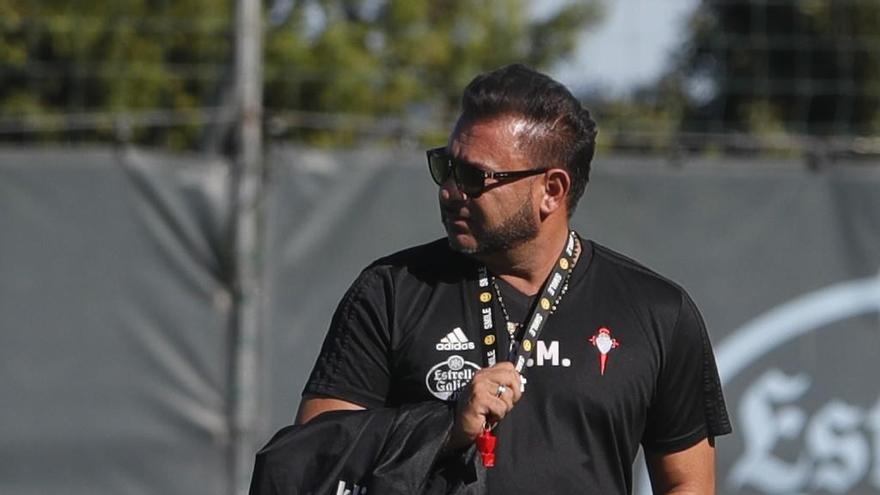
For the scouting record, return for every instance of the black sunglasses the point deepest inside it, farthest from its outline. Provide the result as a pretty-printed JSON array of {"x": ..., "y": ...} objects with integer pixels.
[{"x": 468, "y": 178}]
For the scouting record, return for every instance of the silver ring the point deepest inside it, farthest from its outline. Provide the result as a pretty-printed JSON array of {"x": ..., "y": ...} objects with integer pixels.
[{"x": 500, "y": 390}]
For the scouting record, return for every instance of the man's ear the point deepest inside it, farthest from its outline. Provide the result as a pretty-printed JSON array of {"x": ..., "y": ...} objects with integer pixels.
[{"x": 557, "y": 184}]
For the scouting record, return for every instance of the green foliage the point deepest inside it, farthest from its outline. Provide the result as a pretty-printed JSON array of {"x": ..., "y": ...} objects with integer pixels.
[
  {"x": 642, "y": 123},
  {"x": 784, "y": 66},
  {"x": 377, "y": 58},
  {"x": 109, "y": 56},
  {"x": 406, "y": 58}
]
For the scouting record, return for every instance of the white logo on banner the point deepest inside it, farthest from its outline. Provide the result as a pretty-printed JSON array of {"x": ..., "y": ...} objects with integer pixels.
[
  {"x": 839, "y": 439},
  {"x": 836, "y": 457}
]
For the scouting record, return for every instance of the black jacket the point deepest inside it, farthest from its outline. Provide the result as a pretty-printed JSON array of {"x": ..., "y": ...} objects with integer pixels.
[{"x": 377, "y": 451}]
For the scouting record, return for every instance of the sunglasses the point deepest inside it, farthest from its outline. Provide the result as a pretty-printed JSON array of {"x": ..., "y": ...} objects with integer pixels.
[{"x": 468, "y": 178}]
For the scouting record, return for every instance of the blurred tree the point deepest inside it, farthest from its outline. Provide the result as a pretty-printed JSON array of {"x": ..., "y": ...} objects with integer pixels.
[
  {"x": 63, "y": 57},
  {"x": 374, "y": 58},
  {"x": 797, "y": 66},
  {"x": 406, "y": 57}
]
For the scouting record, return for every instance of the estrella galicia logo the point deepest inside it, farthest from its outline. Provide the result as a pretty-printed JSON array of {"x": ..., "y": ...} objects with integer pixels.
[
  {"x": 444, "y": 379},
  {"x": 805, "y": 426}
]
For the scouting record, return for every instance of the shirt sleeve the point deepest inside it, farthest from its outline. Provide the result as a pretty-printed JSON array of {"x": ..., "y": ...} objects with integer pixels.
[
  {"x": 354, "y": 361},
  {"x": 688, "y": 405}
]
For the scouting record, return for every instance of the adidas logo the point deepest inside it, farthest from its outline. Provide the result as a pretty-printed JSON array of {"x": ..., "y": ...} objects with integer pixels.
[{"x": 455, "y": 340}]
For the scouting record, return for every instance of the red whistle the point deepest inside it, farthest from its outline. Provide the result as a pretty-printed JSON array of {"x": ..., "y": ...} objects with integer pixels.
[{"x": 486, "y": 446}]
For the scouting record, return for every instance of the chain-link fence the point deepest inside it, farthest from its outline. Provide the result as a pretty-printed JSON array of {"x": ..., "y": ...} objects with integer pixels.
[{"x": 783, "y": 77}]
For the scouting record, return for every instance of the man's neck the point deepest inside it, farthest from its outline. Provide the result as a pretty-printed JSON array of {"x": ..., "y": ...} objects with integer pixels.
[{"x": 528, "y": 265}]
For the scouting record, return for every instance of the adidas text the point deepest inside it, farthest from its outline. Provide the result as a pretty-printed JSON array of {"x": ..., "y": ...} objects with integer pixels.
[
  {"x": 456, "y": 346},
  {"x": 456, "y": 340}
]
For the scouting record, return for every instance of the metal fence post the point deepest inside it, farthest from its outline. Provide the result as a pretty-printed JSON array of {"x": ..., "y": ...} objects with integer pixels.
[{"x": 248, "y": 233}]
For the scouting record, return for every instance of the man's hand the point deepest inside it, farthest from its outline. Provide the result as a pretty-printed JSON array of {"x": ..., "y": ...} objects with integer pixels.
[{"x": 479, "y": 403}]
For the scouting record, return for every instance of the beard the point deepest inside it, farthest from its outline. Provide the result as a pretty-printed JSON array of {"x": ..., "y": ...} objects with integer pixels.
[{"x": 513, "y": 231}]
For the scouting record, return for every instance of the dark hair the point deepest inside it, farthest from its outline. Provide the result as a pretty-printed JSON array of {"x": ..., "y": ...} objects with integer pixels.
[{"x": 570, "y": 138}]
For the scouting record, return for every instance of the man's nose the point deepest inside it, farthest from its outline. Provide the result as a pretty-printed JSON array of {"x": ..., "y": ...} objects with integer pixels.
[{"x": 450, "y": 192}]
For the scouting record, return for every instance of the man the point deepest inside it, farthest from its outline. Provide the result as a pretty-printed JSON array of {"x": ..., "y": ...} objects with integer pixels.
[{"x": 570, "y": 354}]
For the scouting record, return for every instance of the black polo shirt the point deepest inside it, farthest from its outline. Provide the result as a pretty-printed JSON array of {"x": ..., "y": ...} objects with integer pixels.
[{"x": 624, "y": 360}]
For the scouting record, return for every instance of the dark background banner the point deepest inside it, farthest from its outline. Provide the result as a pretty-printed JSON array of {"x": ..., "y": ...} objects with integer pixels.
[
  {"x": 113, "y": 324},
  {"x": 116, "y": 296}
]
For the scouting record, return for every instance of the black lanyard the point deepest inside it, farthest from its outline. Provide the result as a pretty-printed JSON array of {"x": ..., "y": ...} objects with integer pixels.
[{"x": 550, "y": 297}]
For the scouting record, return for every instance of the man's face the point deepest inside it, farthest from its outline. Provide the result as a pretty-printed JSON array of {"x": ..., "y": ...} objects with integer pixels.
[{"x": 504, "y": 215}]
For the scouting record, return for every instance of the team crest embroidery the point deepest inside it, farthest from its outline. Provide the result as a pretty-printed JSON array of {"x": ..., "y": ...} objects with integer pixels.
[{"x": 604, "y": 342}]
